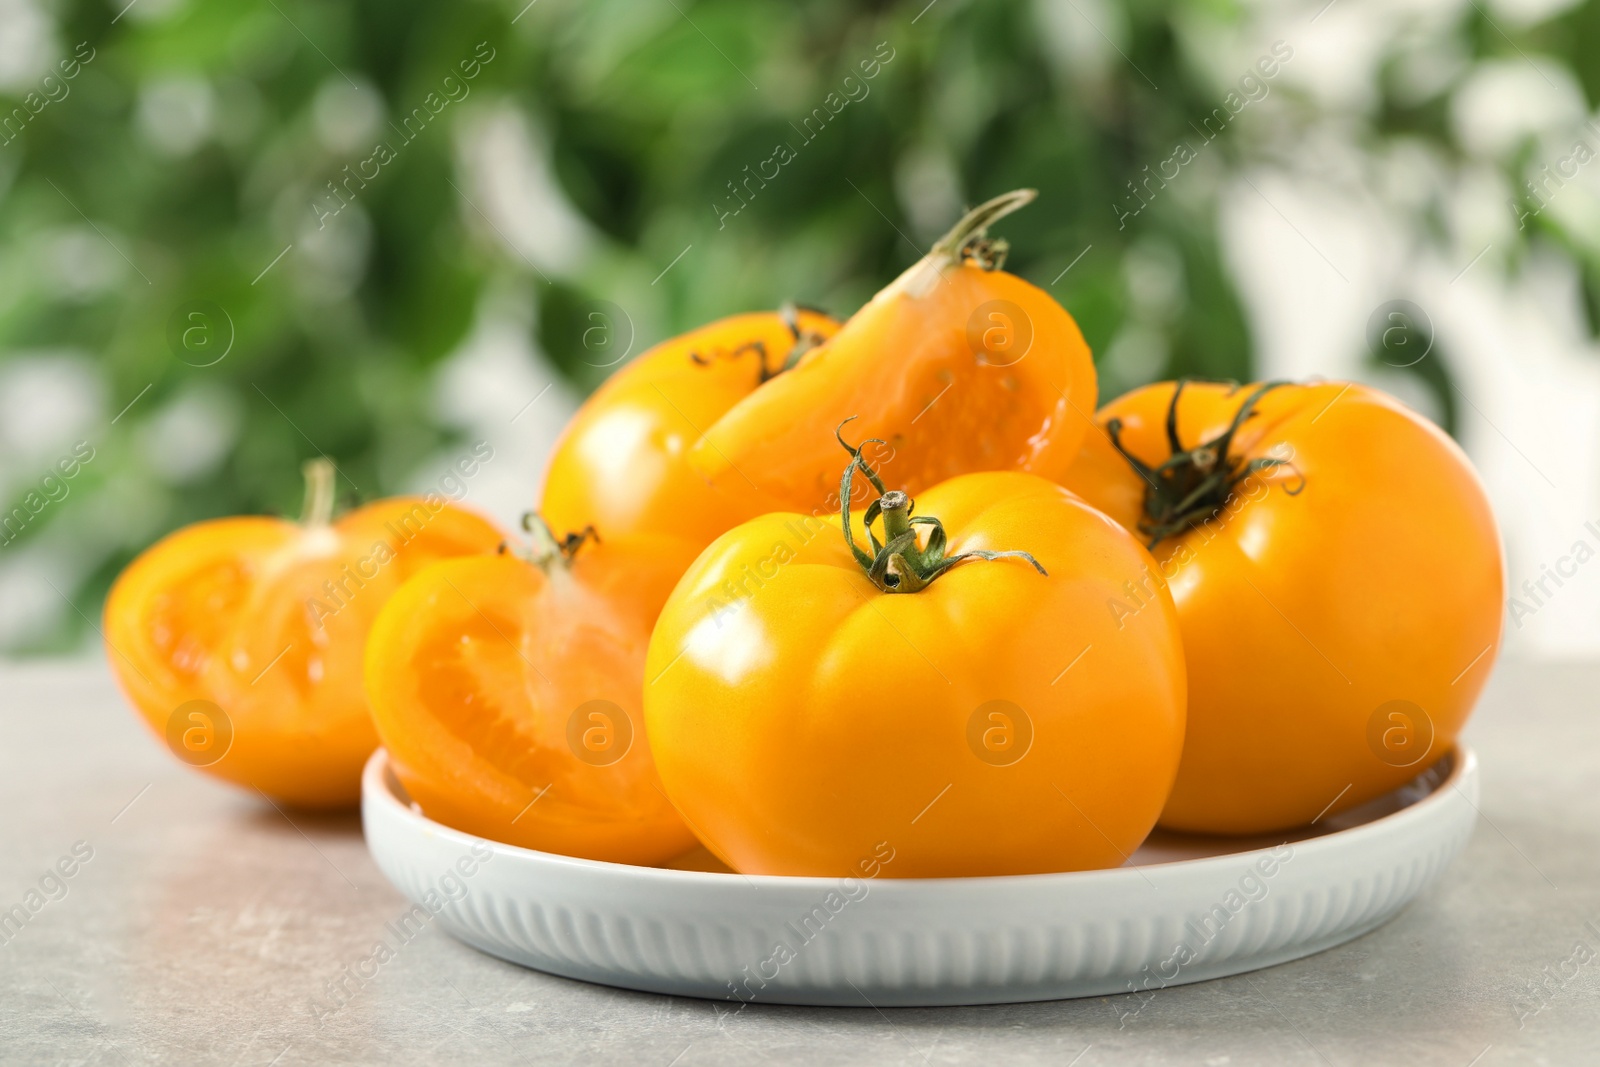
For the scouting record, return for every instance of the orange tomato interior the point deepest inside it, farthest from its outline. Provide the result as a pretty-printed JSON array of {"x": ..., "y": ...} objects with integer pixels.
[
  {"x": 509, "y": 698},
  {"x": 959, "y": 368},
  {"x": 267, "y": 620}
]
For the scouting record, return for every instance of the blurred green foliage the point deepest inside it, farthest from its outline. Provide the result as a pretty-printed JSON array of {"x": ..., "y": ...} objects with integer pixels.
[{"x": 649, "y": 109}]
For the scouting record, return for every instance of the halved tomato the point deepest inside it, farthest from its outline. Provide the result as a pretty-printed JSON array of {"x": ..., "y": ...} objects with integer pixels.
[
  {"x": 507, "y": 692},
  {"x": 240, "y": 640}
]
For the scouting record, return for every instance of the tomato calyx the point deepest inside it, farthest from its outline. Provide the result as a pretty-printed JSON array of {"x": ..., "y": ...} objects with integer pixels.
[
  {"x": 764, "y": 370},
  {"x": 1193, "y": 484},
  {"x": 804, "y": 341},
  {"x": 968, "y": 238},
  {"x": 549, "y": 552},
  {"x": 317, "y": 511},
  {"x": 898, "y": 563}
]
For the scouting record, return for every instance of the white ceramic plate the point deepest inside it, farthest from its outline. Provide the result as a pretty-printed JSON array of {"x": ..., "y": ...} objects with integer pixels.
[{"x": 1183, "y": 910}]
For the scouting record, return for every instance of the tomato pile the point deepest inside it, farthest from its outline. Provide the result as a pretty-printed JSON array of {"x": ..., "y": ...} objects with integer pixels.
[{"x": 803, "y": 592}]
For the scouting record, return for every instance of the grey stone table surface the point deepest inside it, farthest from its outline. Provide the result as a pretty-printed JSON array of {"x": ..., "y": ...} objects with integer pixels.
[{"x": 205, "y": 926}]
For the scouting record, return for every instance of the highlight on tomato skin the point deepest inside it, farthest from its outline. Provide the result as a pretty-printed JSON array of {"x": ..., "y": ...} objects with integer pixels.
[
  {"x": 621, "y": 463},
  {"x": 239, "y": 641},
  {"x": 1339, "y": 580},
  {"x": 507, "y": 693},
  {"x": 955, "y": 691}
]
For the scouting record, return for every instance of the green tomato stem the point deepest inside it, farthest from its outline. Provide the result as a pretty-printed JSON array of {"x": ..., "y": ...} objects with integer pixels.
[
  {"x": 894, "y": 507},
  {"x": 317, "y": 510},
  {"x": 899, "y": 563},
  {"x": 548, "y": 552},
  {"x": 970, "y": 229}
]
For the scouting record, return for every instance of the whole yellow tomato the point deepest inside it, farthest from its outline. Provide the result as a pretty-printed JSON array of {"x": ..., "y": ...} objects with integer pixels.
[
  {"x": 1338, "y": 578},
  {"x": 815, "y": 705}
]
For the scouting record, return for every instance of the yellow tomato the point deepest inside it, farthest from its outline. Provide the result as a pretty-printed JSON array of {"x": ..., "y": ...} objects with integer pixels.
[
  {"x": 1338, "y": 578},
  {"x": 813, "y": 705}
]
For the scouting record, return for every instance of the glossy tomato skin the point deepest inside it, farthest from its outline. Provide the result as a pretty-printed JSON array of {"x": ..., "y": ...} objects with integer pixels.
[
  {"x": 959, "y": 368},
  {"x": 997, "y": 721},
  {"x": 267, "y": 620},
  {"x": 621, "y": 463},
  {"x": 509, "y": 699},
  {"x": 1340, "y": 616}
]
